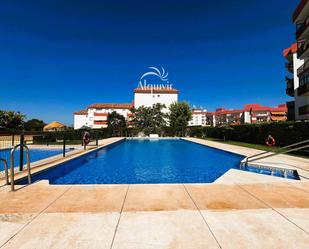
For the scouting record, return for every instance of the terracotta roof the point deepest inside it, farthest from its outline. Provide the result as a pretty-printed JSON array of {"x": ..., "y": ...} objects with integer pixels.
[
  {"x": 111, "y": 106},
  {"x": 299, "y": 9},
  {"x": 81, "y": 112},
  {"x": 256, "y": 107},
  {"x": 292, "y": 50},
  {"x": 158, "y": 90}
]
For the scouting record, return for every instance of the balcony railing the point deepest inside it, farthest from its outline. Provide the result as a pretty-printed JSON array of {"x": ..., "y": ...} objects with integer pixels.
[
  {"x": 303, "y": 46},
  {"x": 303, "y": 89},
  {"x": 289, "y": 86},
  {"x": 303, "y": 110},
  {"x": 303, "y": 68},
  {"x": 289, "y": 66},
  {"x": 301, "y": 27}
]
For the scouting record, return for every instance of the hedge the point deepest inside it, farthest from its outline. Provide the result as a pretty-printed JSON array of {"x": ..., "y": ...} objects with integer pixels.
[{"x": 285, "y": 133}]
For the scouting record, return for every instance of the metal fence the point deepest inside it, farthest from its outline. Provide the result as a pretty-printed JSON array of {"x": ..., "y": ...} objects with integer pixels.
[{"x": 42, "y": 145}]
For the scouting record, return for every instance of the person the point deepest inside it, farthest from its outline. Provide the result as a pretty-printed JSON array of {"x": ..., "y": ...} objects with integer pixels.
[
  {"x": 86, "y": 138},
  {"x": 270, "y": 141}
]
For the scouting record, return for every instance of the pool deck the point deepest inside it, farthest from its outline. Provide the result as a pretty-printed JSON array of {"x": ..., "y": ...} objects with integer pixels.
[{"x": 239, "y": 210}]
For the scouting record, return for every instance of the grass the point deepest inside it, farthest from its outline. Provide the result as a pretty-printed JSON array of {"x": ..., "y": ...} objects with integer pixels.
[
  {"x": 252, "y": 146},
  {"x": 303, "y": 154}
]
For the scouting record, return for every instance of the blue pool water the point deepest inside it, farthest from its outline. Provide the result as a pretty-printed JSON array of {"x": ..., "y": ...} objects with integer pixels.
[
  {"x": 35, "y": 155},
  {"x": 144, "y": 161}
]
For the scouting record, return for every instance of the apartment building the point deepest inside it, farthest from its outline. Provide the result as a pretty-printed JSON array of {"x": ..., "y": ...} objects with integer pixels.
[
  {"x": 301, "y": 61},
  {"x": 250, "y": 114}
]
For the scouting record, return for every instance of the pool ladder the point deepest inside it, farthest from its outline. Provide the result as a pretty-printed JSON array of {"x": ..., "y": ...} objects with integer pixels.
[{"x": 12, "y": 171}]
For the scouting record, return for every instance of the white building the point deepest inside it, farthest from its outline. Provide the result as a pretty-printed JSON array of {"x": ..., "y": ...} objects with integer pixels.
[
  {"x": 301, "y": 61},
  {"x": 95, "y": 116},
  {"x": 294, "y": 67},
  {"x": 199, "y": 117},
  {"x": 149, "y": 96}
]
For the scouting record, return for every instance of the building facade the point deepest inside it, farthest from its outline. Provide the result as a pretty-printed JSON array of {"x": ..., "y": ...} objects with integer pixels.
[
  {"x": 301, "y": 61},
  {"x": 95, "y": 116},
  {"x": 148, "y": 96},
  {"x": 250, "y": 114}
]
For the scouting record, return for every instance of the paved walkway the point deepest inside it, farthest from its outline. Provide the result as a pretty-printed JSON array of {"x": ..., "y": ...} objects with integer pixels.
[{"x": 156, "y": 216}]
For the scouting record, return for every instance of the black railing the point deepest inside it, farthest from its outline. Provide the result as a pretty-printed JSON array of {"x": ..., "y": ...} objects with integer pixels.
[
  {"x": 44, "y": 145},
  {"x": 303, "y": 46},
  {"x": 301, "y": 27},
  {"x": 289, "y": 66},
  {"x": 289, "y": 86}
]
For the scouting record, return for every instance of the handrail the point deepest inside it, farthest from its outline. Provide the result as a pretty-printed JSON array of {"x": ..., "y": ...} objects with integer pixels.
[
  {"x": 280, "y": 151},
  {"x": 12, "y": 164},
  {"x": 6, "y": 170}
]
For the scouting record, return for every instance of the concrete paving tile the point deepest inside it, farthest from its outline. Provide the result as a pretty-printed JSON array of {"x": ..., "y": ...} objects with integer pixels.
[
  {"x": 30, "y": 199},
  {"x": 157, "y": 198},
  {"x": 280, "y": 195},
  {"x": 166, "y": 229},
  {"x": 67, "y": 230},
  {"x": 11, "y": 224},
  {"x": 222, "y": 197},
  {"x": 300, "y": 216},
  {"x": 107, "y": 198},
  {"x": 255, "y": 229},
  {"x": 301, "y": 185}
]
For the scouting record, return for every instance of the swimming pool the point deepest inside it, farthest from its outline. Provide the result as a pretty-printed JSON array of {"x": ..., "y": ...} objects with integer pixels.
[
  {"x": 144, "y": 161},
  {"x": 36, "y": 154}
]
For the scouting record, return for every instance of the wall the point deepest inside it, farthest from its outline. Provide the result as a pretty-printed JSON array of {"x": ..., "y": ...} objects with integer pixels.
[{"x": 148, "y": 99}]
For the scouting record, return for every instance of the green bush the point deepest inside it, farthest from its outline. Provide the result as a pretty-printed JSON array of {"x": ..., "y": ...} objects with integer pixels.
[{"x": 285, "y": 133}]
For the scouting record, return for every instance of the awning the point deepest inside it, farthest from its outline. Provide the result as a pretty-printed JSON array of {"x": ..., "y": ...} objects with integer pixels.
[
  {"x": 278, "y": 113},
  {"x": 278, "y": 118}
]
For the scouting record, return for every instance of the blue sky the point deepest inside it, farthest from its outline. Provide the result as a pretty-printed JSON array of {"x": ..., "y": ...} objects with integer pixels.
[{"x": 59, "y": 56}]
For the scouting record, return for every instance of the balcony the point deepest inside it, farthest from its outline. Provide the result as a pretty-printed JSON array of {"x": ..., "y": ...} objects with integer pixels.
[
  {"x": 301, "y": 28},
  {"x": 289, "y": 67},
  {"x": 302, "y": 48},
  {"x": 303, "y": 110},
  {"x": 303, "y": 68},
  {"x": 303, "y": 89},
  {"x": 289, "y": 86}
]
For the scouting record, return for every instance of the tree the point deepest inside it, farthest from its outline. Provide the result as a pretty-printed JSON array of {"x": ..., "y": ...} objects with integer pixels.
[
  {"x": 179, "y": 116},
  {"x": 12, "y": 120},
  {"x": 116, "y": 122},
  {"x": 149, "y": 119},
  {"x": 34, "y": 125}
]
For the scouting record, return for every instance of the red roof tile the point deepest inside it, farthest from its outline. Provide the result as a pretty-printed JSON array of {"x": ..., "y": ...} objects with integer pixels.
[
  {"x": 82, "y": 112},
  {"x": 110, "y": 106},
  {"x": 158, "y": 90}
]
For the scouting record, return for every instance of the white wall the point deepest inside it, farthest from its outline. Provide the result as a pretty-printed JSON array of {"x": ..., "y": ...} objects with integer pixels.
[
  {"x": 88, "y": 120},
  {"x": 299, "y": 100},
  {"x": 148, "y": 99},
  {"x": 80, "y": 120},
  {"x": 247, "y": 118}
]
